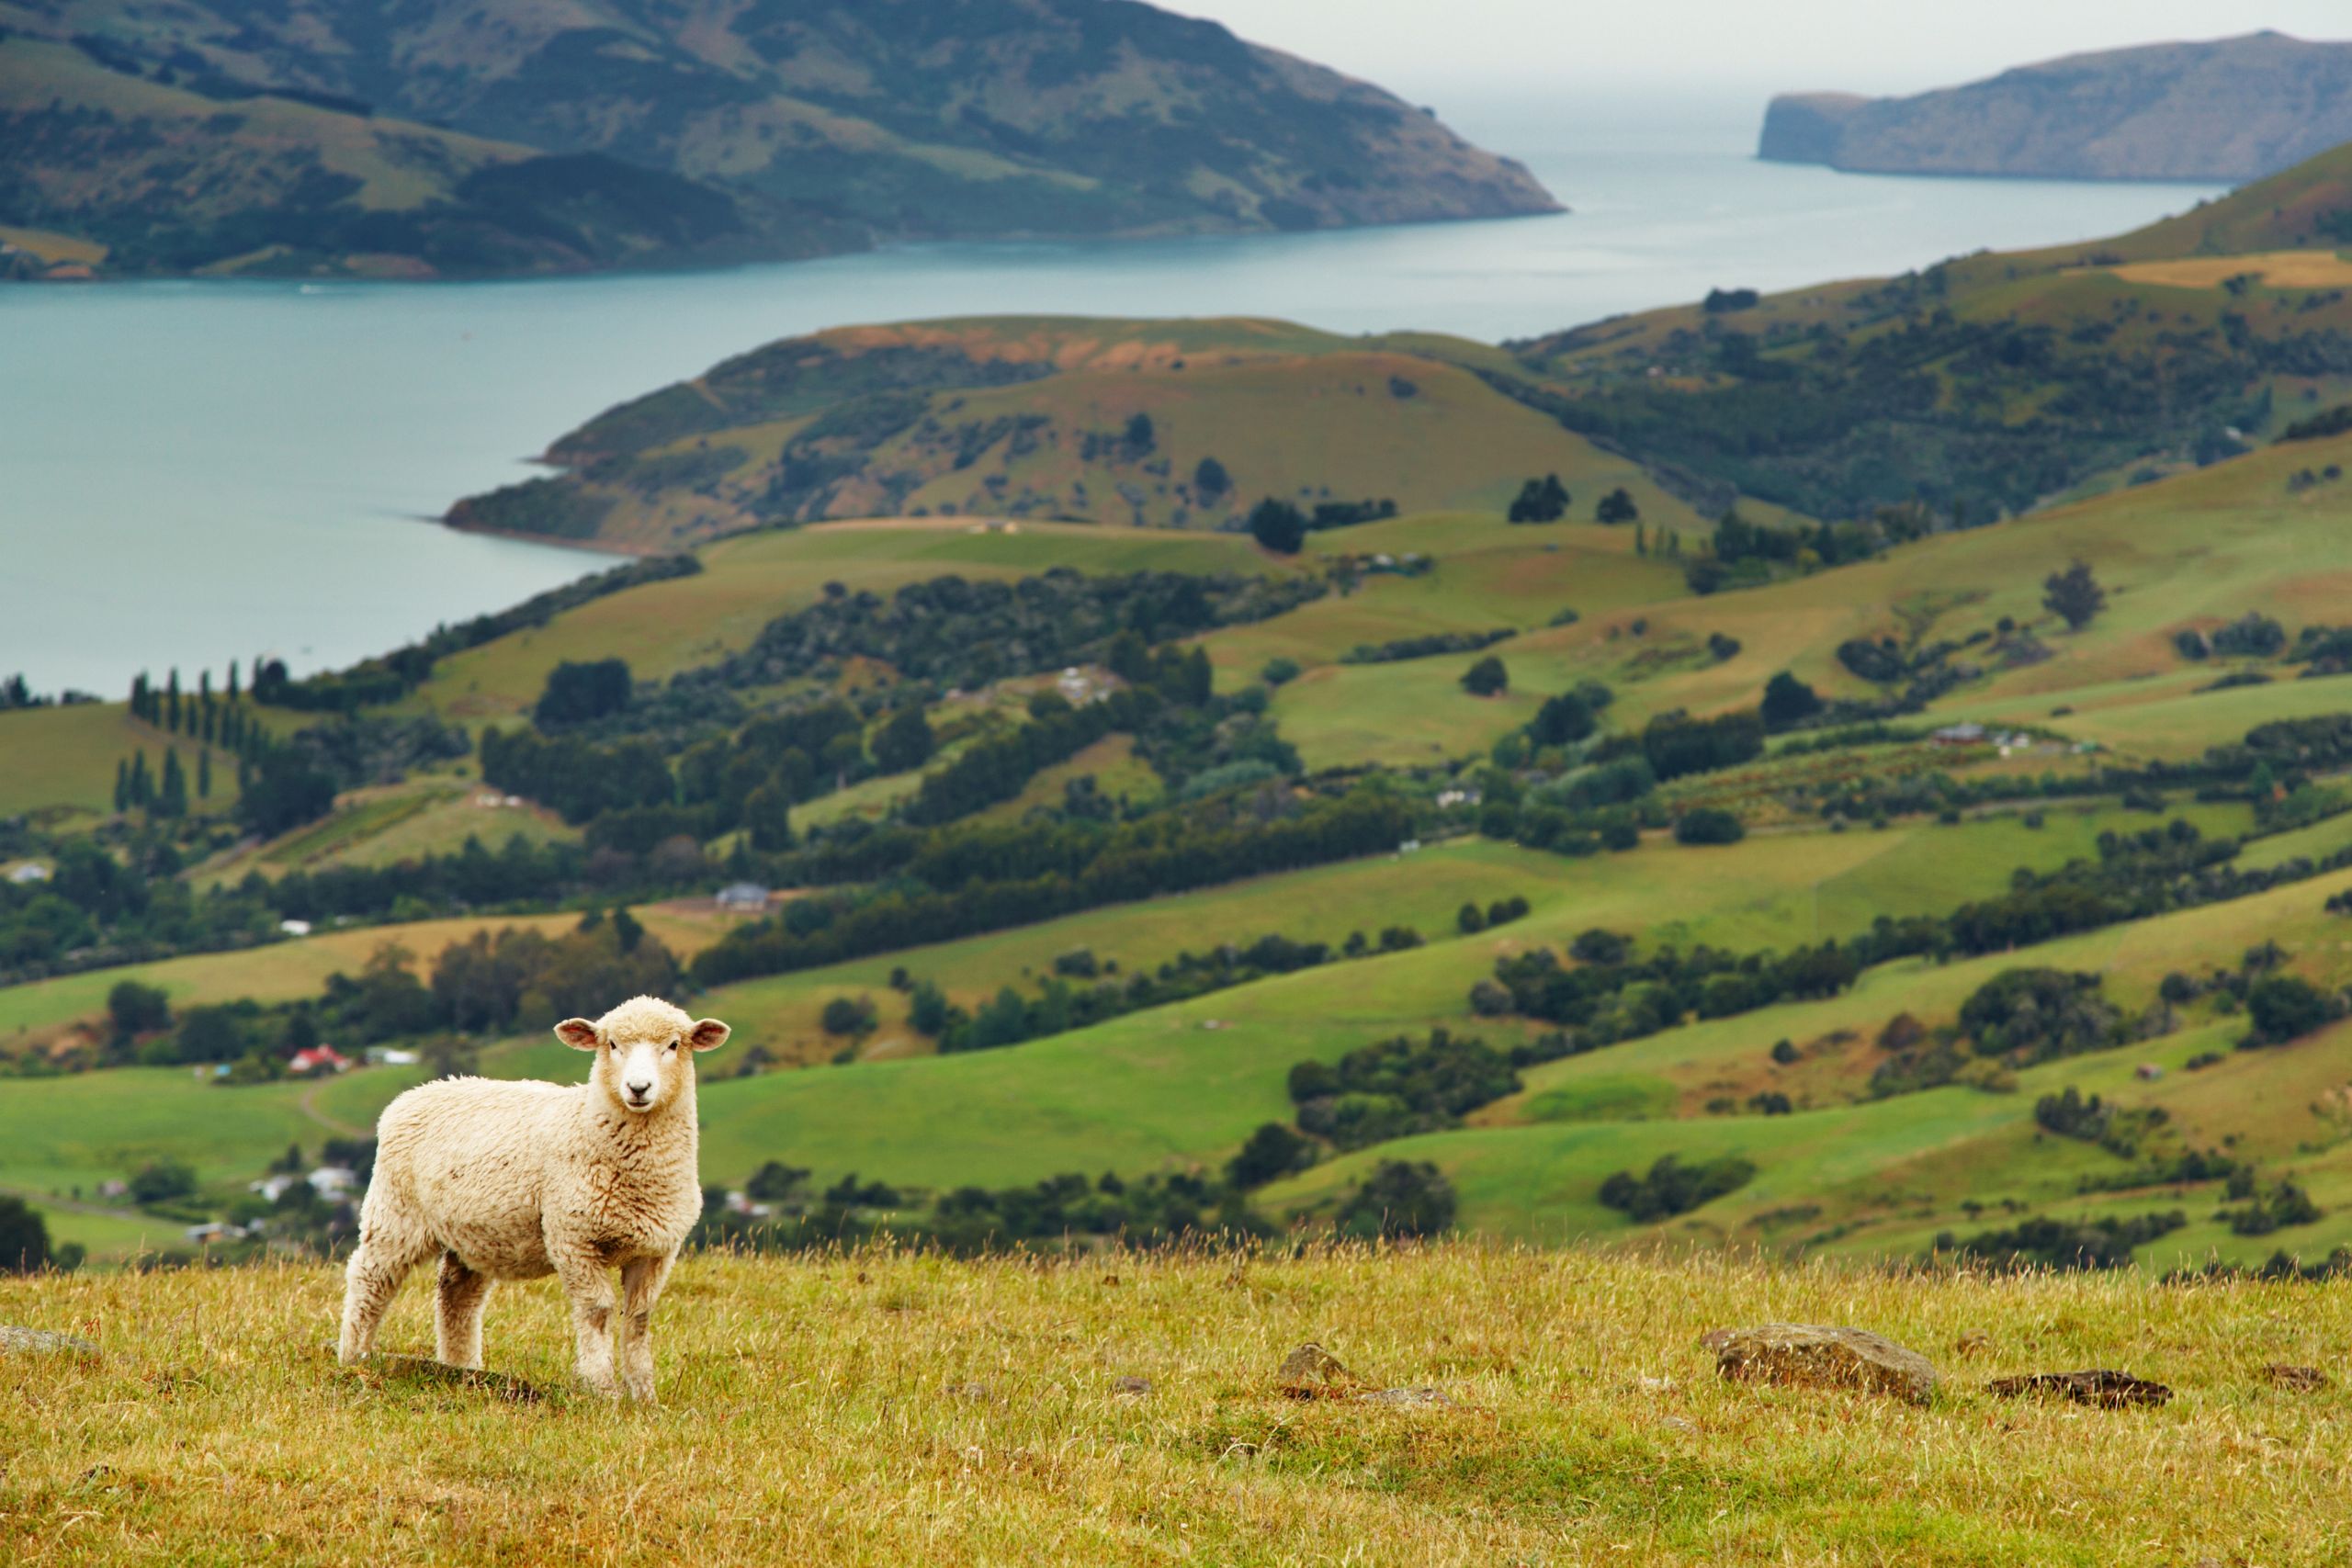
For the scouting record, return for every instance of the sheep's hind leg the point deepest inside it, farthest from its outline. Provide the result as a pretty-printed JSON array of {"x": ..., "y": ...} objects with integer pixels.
[
  {"x": 456, "y": 1322},
  {"x": 641, "y": 1282},
  {"x": 387, "y": 1251},
  {"x": 589, "y": 1282}
]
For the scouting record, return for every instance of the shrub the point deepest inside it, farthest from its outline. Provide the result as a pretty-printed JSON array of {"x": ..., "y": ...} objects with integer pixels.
[
  {"x": 1398, "y": 1199},
  {"x": 1274, "y": 1150},
  {"x": 1279, "y": 672},
  {"x": 1486, "y": 678},
  {"x": 162, "y": 1181},
  {"x": 2283, "y": 1008},
  {"x": 1707, "y": 825},
  {"x": 1672, "y": 1188},
  {"x": 1278, "y": 525},
  {"x": 848, "y": 1015},
  {"x": 1788, "y": 701}
]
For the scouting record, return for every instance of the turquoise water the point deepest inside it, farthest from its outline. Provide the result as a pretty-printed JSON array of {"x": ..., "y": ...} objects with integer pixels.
[{"x": 192, "y": 473}]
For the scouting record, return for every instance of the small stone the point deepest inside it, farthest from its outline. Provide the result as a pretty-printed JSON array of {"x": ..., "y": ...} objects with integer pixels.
[
  {"x": 1139, "y": 1387},
  {"x": 43, "y": 1342},
  {"x": 1677, "y": 1424},
  {"x": 1975, "y": 1342},
  {"x": 2296, "y": 1379},
  {"x": 2100, "y": 1386},
  {"x": 968, "y": 1391},
  {"x": 1312, "y": 1372},
  {"x": 1654, "y": 1386},
  {"x": 1409, "y": 1397},
  {"x": 1823, "y": 1357}
]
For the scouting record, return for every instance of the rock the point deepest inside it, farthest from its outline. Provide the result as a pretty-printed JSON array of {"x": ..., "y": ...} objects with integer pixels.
[
  {"x": 1677, "y": 1424},
  {"x": 2296, "y": 1379},
  {"x": 1312, "y": 1372},
  {"x": 1822, "y": 1357},
  {"x": 1408, "y": 1398},
  {"x": 1139, "y": 1387},
  {"x": 2101, "y": 1386},
  {"x": 1654, "y": 1386},
  {"x": 1975, "y": 1342},
  {"x": 43, "y": 1342}
]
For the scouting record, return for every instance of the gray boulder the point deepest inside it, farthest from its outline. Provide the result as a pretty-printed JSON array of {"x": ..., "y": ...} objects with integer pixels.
[
  {"x": 43, "y": 1342},
  {"x": 1815, "y": 1356}
]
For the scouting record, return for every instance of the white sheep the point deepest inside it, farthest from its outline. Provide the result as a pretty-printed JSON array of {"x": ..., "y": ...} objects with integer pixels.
[{"x": 514, "y": 1180}]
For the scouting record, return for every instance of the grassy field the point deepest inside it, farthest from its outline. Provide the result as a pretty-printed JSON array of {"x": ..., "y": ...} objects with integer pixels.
[
  {"x": 884, "y": 1408},
  {"x": 282, "y": 971},
  {"x": 1879, "y": 1177},
  {"x": 1177, "y": 1084},
  {"x": 67, "y": 757},
  {"x": 2194, "y": 552},
  {"x": 748, "y": 582}
]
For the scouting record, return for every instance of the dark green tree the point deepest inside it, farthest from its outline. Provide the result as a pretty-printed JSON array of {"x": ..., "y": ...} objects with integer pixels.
[
  {"x": 171, "y": 796},
  {"x": 1617, "y": 506},
  {"x": 1486, "y": 678},
  {"x": 767, "y": 815},
  {"x": 904, "y": 742},
  {"x": 1788, "y": 701},
  {"x": 1278, "y": 525},
  {"x": 23, "y": 1237},
  {"x": 2073, "y": 595},
  {"x": 1274, "y": 1150}
]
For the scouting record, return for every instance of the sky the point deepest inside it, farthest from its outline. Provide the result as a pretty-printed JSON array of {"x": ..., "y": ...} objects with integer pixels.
[{"x": 1425, "y": 50}]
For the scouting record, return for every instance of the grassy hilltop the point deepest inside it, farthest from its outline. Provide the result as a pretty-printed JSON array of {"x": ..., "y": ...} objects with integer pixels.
[{"x": 879, "y": 1407}]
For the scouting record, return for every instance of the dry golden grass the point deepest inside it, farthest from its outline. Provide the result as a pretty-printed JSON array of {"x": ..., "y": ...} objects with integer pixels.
[
  {"x": 890, "y": 1409},
  {"x": 2279, "y": 269}
]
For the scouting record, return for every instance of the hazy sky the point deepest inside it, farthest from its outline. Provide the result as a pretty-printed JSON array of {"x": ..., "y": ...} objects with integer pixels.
[{"x": 1424, "y": 48}]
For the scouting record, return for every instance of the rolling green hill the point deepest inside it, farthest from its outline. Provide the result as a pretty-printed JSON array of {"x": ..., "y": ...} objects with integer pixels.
[
  {"x": 331, "y": 136},
  {"x": 1180, "y": 424},
  {"x": 1094, "y": 814}
]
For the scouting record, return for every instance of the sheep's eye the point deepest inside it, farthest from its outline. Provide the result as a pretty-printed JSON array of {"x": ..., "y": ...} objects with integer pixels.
[{"x": 673, "y": 1044}]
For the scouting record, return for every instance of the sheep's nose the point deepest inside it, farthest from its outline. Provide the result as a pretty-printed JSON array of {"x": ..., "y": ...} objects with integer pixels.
[{"x": 640, "y": 1090}]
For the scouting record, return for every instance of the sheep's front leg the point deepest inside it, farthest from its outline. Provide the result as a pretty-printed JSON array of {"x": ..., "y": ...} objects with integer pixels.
[
  {"x": 641, "y": 1282},
  {"x": 588, "y": 1283}
]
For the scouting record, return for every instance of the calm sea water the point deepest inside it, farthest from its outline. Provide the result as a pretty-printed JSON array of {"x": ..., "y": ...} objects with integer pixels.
[{"x": 192, "y": 473}]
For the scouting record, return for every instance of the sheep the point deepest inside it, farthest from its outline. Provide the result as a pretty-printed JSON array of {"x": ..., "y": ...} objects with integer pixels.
[{"x": 514, "y": 1180}]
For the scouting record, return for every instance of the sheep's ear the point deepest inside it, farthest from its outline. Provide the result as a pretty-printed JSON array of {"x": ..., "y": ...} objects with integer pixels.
[
  {"x": 708, "y": 1035},
  {"x": 578, "y": 1033}
]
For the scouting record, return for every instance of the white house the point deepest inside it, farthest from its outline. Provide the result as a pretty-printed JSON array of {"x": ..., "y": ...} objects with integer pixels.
[
  {"x": 32, "y": 870},
  {"x": 741, "y": 896},
  {"x": 332, "y": 1180},
  {"x": 295, "y": 928},
  {"x": 272, "y": 1188}
]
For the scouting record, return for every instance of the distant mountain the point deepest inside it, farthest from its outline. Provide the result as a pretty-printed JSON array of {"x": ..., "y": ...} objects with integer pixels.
[
  {"x": 2230, "y": 110},
  {"x": 436, "y": 137}
]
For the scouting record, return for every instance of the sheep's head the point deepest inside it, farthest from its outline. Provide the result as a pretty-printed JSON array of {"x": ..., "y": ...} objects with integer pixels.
[{"x": 644, "y": 1051}]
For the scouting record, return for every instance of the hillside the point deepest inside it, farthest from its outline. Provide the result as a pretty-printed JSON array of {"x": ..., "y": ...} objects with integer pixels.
[
  {"x": 2229, "y": 110},
  {"x": 1124, "y": 1409},
  {"x": 1176, "y": 423},
  {"x": 448, "y": 140},
  {"x": 1990, "y": 384},
  {"x": 1849, "y": 831}
]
